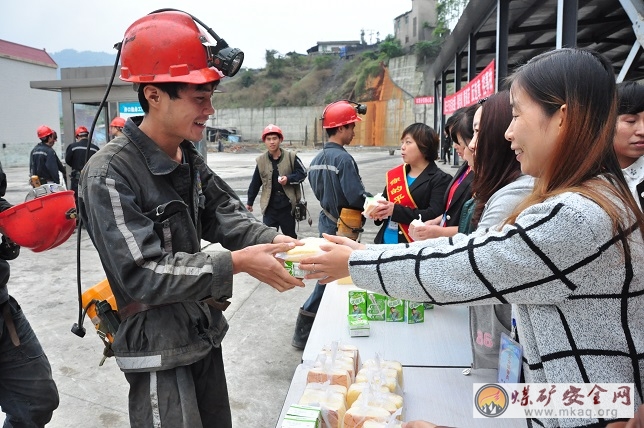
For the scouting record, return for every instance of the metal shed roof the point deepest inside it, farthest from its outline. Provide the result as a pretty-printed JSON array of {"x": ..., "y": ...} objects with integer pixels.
[{"x": 607, "y": 26}]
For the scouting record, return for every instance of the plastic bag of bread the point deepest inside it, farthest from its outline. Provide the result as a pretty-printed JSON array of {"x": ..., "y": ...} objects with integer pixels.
[
  {"x": 376, "y": 398},
  {"x": 330, "y": 399},
  {"x": 328, "y": 369},
  {"x": 393, "y": 422},
  {"x": 382, "y": 376},
  {"x": 370, "y": 203},
  {"x": 346, "y": 349},
  {"x": 377, "y": 363},
  {"x": 357, "y": 388},
  {"x": 293, "y": 256},
  {"x": 356, "y": 416}
]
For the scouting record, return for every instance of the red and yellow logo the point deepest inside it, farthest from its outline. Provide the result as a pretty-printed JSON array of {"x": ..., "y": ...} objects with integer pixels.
[{"x": 491, "y": 400}]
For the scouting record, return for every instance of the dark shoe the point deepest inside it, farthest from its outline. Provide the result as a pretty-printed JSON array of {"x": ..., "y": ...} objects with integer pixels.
[{"x": 302, "y": 328}]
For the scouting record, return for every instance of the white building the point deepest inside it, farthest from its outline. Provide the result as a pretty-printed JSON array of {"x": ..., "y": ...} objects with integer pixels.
[{"x": 23, "y": 109}]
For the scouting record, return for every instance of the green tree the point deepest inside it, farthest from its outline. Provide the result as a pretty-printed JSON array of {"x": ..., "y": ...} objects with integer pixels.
[
  {"x": 391, "y": 47},
  {"x": 247, "y": 78}
]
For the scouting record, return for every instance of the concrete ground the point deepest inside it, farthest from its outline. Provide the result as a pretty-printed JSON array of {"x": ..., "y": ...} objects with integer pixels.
[{"x": 259, "y": 358}]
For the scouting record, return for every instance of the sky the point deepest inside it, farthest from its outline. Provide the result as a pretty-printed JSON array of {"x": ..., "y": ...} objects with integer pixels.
[{"x": 254, "y": 26}]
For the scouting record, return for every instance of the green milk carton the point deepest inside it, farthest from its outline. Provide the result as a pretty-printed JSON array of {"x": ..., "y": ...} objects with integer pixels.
[
  {"x": 415, "y": 312},
  {"x": 357, "y": 302},
  {"x": 376, "y": 306},
  {"x": 395, "y": 310}
]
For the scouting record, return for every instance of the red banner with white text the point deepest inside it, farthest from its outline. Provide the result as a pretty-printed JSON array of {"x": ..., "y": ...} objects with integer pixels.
[{"x": 478, "y": 88}]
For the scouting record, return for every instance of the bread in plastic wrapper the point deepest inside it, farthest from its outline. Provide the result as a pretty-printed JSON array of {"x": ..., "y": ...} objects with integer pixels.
[
  {"x": 393, "y": 421},
  {"x": 293, "y": 256},
  {"x": 311, "y": 247},
  {"x": 376, "y": 398},
  {"x": 377, "y": 362},
  {"x": 356, "y": 389},
  {"x": 370, "y": 203},
  {"x": 330, "y": 398},
  {"x": 356, "y": 416},
  {"x": 383, "y": 376},
  {"x": 346, "y": 349},
  {"x": 417, "y": 221}
]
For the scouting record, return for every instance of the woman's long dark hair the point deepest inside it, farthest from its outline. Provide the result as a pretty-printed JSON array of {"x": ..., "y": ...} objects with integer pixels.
[
  {"x": 496, "y": 163},
  {"x": 584, "y": 82}
]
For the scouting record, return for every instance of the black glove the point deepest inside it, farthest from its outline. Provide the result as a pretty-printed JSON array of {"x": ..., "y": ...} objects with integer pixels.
[{"x": 9, "y": 250}]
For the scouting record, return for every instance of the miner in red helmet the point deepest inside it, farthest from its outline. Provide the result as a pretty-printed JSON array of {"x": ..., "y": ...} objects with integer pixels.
[
  {"x": 148, "y": 198},
  {"x": 279, "y": 174},
  {"x": 336, "y": 183},
  {"x": 43, "y": 160},
  {"x": 28, "y": 395},
  {"x": 116, "y": 127},
  {"x": 76, "y": 154}
]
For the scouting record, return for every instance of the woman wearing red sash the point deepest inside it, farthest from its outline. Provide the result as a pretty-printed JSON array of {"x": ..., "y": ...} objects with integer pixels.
[{"x": 413, "y": 189}]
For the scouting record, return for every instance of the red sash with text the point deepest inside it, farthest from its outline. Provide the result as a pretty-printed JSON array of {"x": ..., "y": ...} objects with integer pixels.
[{"x": 398, "y": 193}]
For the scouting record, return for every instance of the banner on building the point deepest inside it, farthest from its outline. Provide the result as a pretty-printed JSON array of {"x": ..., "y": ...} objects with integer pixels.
[
  {"x": 478, "y": 88},
  {"x": 424, "y": 100}
]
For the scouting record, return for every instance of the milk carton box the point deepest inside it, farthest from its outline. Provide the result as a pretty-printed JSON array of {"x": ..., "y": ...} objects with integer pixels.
[
  {"x": 357, "y": 302},
  {"x": 376, "y": 306},
  {"x": 395, "y": 311},
  {"x": 415, "y": 312}
]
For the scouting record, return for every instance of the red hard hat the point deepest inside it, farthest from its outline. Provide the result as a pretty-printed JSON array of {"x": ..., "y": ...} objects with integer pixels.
[
  {"x": 41, "y": 223},
  {"x": 339, "y": 113},
  {"x": 118, "y": 122},
  {"x": 166, "y": 47},
  {"x": 272, "y": 129},
  {"x": 81, "y": 130},
  {"x": 44, "y": 131}
]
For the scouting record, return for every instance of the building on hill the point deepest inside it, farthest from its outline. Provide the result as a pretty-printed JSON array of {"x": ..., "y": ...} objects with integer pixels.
[
  {"x": 23, "y": 109},
  {"x": 417, "y": 24}
]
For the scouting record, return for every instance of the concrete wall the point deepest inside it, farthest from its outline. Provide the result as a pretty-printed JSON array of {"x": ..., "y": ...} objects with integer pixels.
[
  {"x": 381, "y": 126},
  {"x": 24, "y": 109}
]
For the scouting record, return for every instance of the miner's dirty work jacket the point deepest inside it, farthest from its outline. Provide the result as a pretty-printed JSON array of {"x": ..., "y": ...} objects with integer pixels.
[{"x": 146, "y": 214}]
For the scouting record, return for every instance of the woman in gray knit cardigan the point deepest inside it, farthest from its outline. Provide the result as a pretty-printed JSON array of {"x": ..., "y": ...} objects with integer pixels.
[{"x": 570, "y": 258}]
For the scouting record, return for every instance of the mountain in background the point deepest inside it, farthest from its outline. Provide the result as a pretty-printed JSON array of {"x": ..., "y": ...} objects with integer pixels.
[{"x": 73, "y": 58}]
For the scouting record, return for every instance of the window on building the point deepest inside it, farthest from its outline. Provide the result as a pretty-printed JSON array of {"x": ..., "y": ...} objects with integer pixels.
[{"x": 414, "y": 25}]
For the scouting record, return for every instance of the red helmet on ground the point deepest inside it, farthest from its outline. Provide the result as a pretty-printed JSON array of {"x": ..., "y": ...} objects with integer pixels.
[
  {"x": 272, "y": 129},
  {"x": 166, "y": 47},
  {"x": 339, "y": 113},
  {"x": 118, "y": 122},
  {"x": 80, "y": 131},
  {"x": 44, "y": 131},
  {"x": 41, "y": 223}
]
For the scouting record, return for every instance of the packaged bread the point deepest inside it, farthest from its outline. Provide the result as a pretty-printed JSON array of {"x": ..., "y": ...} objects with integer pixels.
[
  {"x": 376, "y": 363},
  {"x": 293, "y": 256},
  {"x": 418, "y": 221},
  {"x": 371, "y": 202},
  {"x": 356, "y": 416},
  {"x": 311, "y": 247},
  {"x": 383, "y": 376},
  {"x": 345, "y": 349},
  {"x": 331, "y": 401},
  {"x": 335, "y": 376},
  {"x": 385, "y": 399},
  {"x": 357, "y": 388}
]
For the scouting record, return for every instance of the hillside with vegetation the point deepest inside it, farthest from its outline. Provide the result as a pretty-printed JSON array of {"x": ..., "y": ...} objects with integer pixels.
[{"x": 296, "y": 80}]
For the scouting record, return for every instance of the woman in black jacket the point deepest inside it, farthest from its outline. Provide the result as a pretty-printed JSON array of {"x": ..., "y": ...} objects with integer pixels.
[
  {"x": 459, "y": 190},
  {"x": 414, "y": 189}
]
